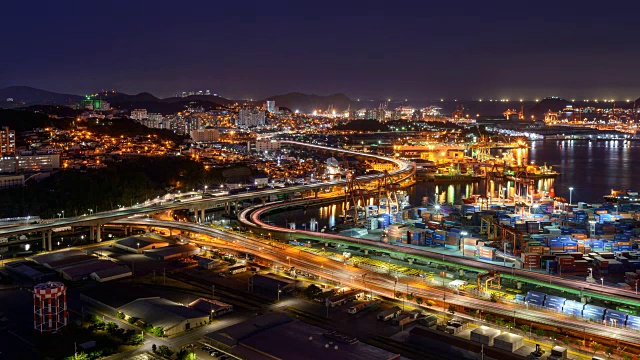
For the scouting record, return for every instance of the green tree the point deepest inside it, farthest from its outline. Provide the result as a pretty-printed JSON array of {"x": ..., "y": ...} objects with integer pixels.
[
  {"x": 80, "y": 356},
  {"x": 539, "y": 332},
  {"x": 472, "y": 312},
  {"x": 608, "y": 351},
  {"x": 525, "y": 328},
  {"x": 499, "y": 321},
  {"x": 157, "y": 331},
  {"x": 626, "y": 356},
  {"x": 488, "y": 318},
  {"x": 566, "y": 340},
  {"x": 154, "y": 348},
  {"x": 430, "y": 303},
  {"x": 553, "y": 334},
  {"x": 132, "y": 320},
  {"x": 451, "y": 309},
  {"x": 398, "y": 295},
  {"x": 409, "y": 297},
  {"x": 164, "y": 350},
  {"x": 419, "y": 300},
  {"x": 595, "y": 347},
  {"x": 111, "y": 327},
  {"x": 120, "y": 315},
  {"x": 312, "y": 291},
  {"x": 493, "y": 298}
]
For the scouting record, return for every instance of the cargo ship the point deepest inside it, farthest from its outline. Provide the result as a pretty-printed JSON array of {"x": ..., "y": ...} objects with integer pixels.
[{"x": 621, "y": 196}]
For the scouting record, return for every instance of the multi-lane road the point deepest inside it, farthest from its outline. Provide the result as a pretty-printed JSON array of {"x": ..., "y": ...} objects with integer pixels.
[
  {"x": 251, "y": 217},
  {"x": 382, "y": 284}
]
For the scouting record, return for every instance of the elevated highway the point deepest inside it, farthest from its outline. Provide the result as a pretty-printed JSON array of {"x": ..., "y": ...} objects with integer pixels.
[
  {"x": 382, "y": 284},
  {"x": 251, "y": 217},
  {"x": 95, "y": 221}
]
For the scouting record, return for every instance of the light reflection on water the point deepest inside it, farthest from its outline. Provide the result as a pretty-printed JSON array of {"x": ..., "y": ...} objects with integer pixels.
[{"x": 592, "y": 168}]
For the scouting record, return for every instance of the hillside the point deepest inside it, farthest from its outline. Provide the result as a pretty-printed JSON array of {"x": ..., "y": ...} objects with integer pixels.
[{"x": 25, "y": 95}]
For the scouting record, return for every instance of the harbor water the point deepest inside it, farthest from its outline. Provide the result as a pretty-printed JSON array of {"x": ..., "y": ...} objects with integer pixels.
[{"x": 592, "y": 168}]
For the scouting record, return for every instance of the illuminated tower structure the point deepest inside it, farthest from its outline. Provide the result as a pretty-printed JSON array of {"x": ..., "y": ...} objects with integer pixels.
[{"x": 50, "y": 313}]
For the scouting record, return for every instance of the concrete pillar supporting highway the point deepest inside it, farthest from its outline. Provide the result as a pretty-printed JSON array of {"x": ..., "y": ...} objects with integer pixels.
[
  {"x": 315, "y": 193},
  {"x": 91, "y": 234},
  {"x": 202, "y": 216},
  {"x": 126, "y": 231},
  {"x": 49, "y": 240},
  {"x": 227, "y": 208},
  {"x": 98, "y": 238},
  {"x": 235, "y": 207},
  {"x": 44, "y": 241}
]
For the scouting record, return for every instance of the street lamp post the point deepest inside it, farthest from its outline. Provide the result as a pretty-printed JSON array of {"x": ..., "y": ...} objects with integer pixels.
[
  {"x": 504, "y": 251},
  {"x": 138, "y": 248},
  {"x": 570, "y": 194},
  {"x": 602, "y": 280}
]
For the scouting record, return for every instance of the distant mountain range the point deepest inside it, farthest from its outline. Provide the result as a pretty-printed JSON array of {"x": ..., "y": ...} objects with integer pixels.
[{"x": 25, "y": 97}]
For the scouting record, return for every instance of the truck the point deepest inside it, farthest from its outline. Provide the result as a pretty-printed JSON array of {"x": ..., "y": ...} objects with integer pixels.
[{"x": 363, "y": 306}]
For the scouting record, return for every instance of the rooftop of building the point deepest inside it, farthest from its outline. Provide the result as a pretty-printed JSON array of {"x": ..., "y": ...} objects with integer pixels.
[
  {"x": 135, "y": 242},
  {"x": 160, "y": 312},
  {"x": 277, "y": 335}
]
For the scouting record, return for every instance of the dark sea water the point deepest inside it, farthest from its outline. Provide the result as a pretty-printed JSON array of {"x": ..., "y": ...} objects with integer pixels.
[{"x": 591, "y": 168}]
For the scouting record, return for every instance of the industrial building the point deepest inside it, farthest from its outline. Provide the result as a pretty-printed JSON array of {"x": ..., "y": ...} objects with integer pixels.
[
  {"x": 214, "y": 307},
  {"x": 30, "y": 271},
  {"x": 172, "y": 252},
  {"x": 114, "y": 273},
  {"x": 344, "y": 297},
  {"x": 207, "y": 263},
  {"x": 174, "y": 318},
  {"x": 75, "y": 265},
  {"x": 136, "y": 244},
  {"x": 468, "y": 343},
  {"x": 389, "y": 314},
  {"x": 277, "y": 336},
  {"x": 271, "y": 283}
]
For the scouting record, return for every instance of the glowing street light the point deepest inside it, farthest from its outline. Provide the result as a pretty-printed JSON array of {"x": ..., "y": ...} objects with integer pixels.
[{"x": 570, "y": 194}]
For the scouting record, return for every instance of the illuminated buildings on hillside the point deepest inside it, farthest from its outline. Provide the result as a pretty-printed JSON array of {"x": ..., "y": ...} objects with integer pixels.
[
  {"x": 250, "y": 117},
  {"x": 7, "y": 141}
]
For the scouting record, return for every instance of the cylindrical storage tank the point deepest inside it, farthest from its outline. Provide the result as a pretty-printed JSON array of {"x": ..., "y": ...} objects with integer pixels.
[{"x": 50, "y": 307}]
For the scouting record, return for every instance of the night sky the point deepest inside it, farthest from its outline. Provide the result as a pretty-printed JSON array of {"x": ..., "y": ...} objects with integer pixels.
[{"x": 394, "y": 49}]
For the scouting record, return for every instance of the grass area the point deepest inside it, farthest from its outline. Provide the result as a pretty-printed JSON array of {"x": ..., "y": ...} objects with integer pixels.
[{"x": 109, "y": 340}]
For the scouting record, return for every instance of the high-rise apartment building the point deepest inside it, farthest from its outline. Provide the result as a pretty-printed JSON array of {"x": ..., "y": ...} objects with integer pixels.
[
  {"x": 271, "y": 106},
  {"x": 7, "y": 141},
  {"x": 139, "y": 114},
  {"x": 205, "y": 135},
  {"x": 250, "y": 117}
]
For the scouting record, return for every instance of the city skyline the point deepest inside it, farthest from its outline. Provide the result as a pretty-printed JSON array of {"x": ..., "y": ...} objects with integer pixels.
[{"x": 372, "y": 51}]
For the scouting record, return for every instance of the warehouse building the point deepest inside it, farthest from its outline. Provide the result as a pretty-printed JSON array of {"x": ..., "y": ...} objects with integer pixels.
[
  {"x": 136, "y": 244},
  {"x": 174, "y": 318},
  {"x": 173, "y": 252},
  {"x": 278, "y": 336},
  {"x": 114, "y": 273},
  {"x": 30, "y": 271},
  {"x": 214, "y": 307}
]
